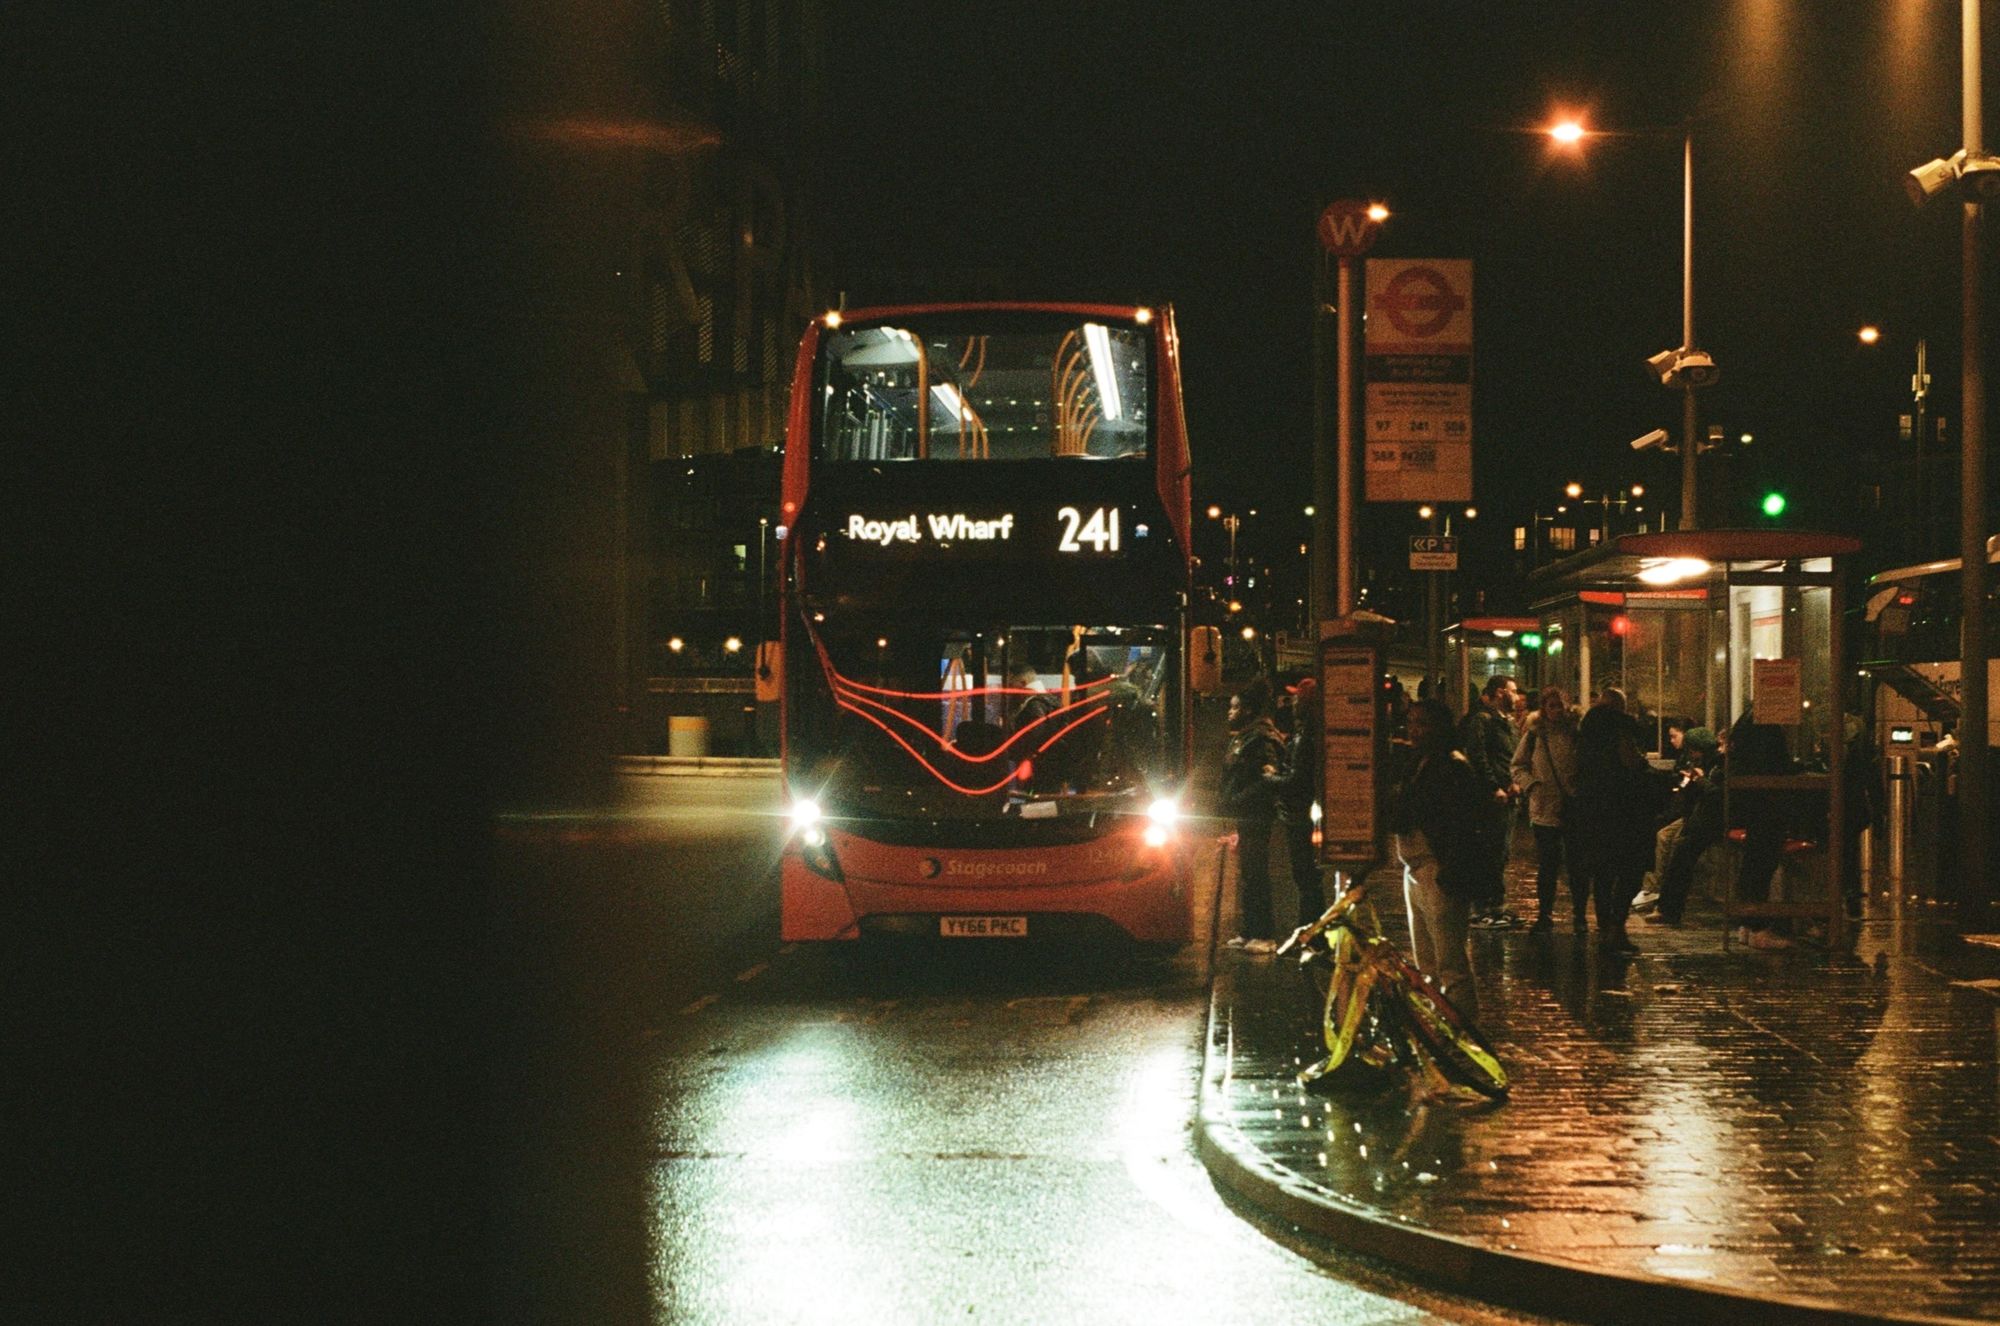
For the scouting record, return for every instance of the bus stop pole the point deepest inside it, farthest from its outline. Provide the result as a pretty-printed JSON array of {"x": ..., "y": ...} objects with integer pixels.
[
  {"x": 1321, "y": 598},
  {"x": 1344, "y": 393}
]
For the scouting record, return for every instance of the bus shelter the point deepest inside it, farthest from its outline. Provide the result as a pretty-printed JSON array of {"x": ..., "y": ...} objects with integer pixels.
[
  {"x": 1706, "y": 627},
  {"x": 1481, "y": 647}
]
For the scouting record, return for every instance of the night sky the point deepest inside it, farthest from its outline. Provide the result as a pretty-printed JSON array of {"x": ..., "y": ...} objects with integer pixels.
[{"x": 1181, "y": 153}]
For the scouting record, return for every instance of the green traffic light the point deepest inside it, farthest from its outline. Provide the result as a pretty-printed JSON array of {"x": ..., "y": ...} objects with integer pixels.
[
  {"x": 1530, "y": 640},
  {"x": 1774, "y": 505}
]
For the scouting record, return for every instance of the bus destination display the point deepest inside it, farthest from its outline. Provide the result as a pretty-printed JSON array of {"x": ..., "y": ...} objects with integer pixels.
[{"x": 1077, "y": 530}]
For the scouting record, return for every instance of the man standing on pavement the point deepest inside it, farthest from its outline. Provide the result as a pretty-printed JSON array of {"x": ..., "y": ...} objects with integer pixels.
[
  {"x": 1256, "y": 749},
  {"x": 1438, "y": 811},
  {"x": 1293, "y": 785},
  {"x": 1489, "y": 738}
]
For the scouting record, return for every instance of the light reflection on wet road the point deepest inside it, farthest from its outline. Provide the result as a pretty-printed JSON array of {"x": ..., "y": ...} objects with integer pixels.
[{"x": 946, "y": 1133}]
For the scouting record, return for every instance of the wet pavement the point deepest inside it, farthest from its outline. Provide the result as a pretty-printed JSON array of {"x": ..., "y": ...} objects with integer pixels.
[{"x": 1796, "y": 1126}]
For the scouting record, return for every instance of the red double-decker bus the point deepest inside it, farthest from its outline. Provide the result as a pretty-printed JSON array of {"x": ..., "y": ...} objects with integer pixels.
[{"x": 986, "y": 681}]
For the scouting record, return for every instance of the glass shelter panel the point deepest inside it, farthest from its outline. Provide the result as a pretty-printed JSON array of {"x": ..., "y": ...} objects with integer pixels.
[{"x": 1781, "y": 666}]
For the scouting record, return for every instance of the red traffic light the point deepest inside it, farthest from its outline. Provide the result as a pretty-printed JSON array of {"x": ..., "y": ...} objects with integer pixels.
[{"x": 1621, "y": 625}]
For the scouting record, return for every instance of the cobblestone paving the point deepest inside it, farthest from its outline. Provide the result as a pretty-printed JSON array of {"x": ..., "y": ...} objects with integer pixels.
[{"x": 1795, "y": 1123}]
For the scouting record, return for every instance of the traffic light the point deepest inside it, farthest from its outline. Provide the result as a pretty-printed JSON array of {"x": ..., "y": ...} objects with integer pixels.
[
  {"x": 1774, "y": 504},
  {"x": 1531, "y": 640},
  {"x": 1621, "y": 625}
]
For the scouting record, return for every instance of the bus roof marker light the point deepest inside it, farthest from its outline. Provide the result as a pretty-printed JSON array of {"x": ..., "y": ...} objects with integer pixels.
[
  {"x": 1142, "y": 316},
  {"x": 1098, "y": 337},
  {"x": 832, "y": 318}
]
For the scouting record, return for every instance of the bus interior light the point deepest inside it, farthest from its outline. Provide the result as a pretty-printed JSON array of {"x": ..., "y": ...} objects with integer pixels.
[{"x": 1098, "y": 337}]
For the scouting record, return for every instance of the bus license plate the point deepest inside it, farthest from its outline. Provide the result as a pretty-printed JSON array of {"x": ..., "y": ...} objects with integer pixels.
[{"x": 983, "y": 927}]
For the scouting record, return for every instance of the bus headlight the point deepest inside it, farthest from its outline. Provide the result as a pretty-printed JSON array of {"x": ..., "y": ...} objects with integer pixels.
[
  {"x": 1161, "y": 817},
  {"x": 805, "y": 822}
]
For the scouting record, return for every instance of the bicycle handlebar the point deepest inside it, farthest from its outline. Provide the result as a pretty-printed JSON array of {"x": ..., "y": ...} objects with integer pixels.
[{"x": 1336, "y": 915}]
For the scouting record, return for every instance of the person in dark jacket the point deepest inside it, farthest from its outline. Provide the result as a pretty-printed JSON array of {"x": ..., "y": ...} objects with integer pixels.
[
  {"x": 1617, "y": 799},
  {"x": 1256, "y": 748},
  {"x": 1489, "y": 739},
  {"x": 1292, "y": 785},
  {"x": 1702, "y": 826},
  {"x": 1755, "y": 749},
  {"x": 1442, "y": 813}
]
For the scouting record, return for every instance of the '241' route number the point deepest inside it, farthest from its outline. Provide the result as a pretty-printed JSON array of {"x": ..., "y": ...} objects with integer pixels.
[{"x": 1100, "y": 531}]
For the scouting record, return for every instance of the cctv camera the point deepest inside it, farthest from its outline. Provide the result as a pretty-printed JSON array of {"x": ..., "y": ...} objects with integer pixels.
[
  {"x": 1696, "y": 369},
  {"x": 1685, "y": 367},
  {"x": 1932, "y": 178},
  {"x": 1652, "y": 439},
  {"x": 1980, "y": 177}
]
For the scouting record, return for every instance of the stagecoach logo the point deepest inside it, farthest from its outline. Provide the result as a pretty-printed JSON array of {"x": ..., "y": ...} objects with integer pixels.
[
  {"x": 943, "y": 527},
  {"x": 991, "y": 869},
  {"x": 930, "y": 867}
]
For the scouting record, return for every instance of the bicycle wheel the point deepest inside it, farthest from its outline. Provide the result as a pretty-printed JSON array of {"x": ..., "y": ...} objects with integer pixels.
[{"x": 1461, "y": 1053}]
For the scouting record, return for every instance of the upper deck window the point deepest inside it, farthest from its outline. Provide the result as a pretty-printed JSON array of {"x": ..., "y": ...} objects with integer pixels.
[{"x": 994, "y": 386}]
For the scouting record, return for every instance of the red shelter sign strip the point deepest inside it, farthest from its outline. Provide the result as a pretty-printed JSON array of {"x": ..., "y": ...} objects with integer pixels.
[{"x": 1418, "y": 399}]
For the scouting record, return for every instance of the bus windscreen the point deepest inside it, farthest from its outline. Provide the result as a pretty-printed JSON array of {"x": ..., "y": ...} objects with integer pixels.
[{"x": 925, "y": 721}]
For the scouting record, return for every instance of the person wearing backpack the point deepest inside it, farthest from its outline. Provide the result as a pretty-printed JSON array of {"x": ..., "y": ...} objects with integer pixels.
[{"x": 1544, "y": 769}]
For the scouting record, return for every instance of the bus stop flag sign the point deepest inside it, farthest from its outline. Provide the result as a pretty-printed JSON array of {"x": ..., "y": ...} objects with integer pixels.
[{"x": 1418, "y": 398}]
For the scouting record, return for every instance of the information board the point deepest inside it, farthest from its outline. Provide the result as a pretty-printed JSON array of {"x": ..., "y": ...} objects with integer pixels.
[
  {"x": 1777, "y": 695},
  {"x": 1417, "y": 349},
  {"x": 1350, "y": 819}
]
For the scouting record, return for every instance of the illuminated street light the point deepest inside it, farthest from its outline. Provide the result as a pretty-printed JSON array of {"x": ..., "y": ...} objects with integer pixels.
[
  {"x": 677, "y": 644},
  {"x": 1377, "y": 213},
  {"x": 1472, "y": 513},
  {"x": 1638, "y": 490},
  {"x": 1869, "y": 335},
  {"x": 1573, "y": 490},
  {"x": 1425, "y": 513},
  {"x": 1685, "y": 367},
  {"x": 1214, "y": 512},
  {"x": 733, "y": 644},
  {"x": 1249, "y": 633}
]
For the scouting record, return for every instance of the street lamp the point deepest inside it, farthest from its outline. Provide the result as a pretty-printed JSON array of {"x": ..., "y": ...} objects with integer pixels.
[
  {"x": 1685, "y": 367},
  {"x": 1915, "y": 507},
  {"x": 1974, "y": 177}
]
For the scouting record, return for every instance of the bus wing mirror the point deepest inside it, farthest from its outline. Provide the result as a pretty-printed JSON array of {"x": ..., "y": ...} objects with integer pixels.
[
  {"x": 1205, "y": 659},
  {"x": 770, "y": 671}
]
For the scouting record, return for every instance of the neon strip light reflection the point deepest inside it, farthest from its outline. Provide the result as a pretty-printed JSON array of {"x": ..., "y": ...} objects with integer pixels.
[
  {"x": 920, "y": 726},
  {"x": 848, "y": 705},
  {"x": 853, "y": 702}
]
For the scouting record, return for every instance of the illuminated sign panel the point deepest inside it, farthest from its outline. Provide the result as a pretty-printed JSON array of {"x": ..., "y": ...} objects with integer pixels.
[{"x": 1073, "y": 530}]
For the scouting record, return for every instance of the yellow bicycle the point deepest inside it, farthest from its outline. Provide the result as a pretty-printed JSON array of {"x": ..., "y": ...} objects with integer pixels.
[{"x": 1375, "y": 997}]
